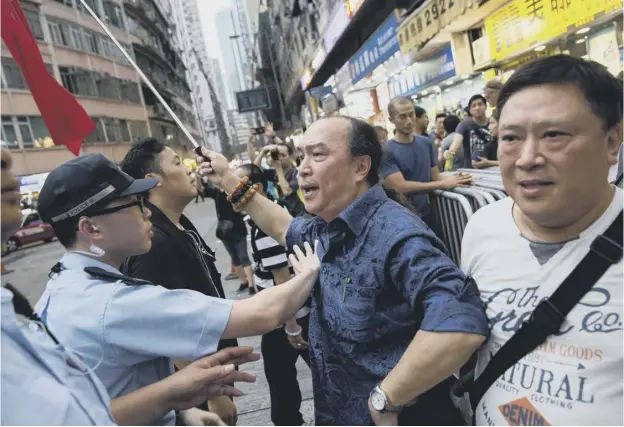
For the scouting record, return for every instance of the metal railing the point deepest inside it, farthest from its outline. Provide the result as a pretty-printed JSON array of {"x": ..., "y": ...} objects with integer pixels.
[
  {"x": 453, "y": 208},
  {"x": 453, "y": 212}
]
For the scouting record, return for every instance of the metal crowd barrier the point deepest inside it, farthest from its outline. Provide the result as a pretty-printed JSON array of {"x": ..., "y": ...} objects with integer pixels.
[
  {"x": 454, "y": 208},
  {"x": 453, "y": 212}
]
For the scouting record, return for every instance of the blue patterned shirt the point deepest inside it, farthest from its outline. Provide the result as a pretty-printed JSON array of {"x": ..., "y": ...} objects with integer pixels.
[{"x": 383, "y": 277}]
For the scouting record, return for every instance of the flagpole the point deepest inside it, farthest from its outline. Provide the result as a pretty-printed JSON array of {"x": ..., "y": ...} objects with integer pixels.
[{"x": 141, "y": 74}]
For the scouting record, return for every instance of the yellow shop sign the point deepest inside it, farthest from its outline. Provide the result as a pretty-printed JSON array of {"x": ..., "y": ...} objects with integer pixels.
[{"x": 522, "y": 24}]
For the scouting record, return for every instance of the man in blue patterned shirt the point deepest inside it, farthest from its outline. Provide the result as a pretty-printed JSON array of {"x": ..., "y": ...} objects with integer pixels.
[{"x": 392, "y": 316}]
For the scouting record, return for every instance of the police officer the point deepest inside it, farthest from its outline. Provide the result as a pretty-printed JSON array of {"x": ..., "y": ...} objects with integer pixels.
[
  {"x": 45, "y": 383},
  {"x": 128, "y": 330}
]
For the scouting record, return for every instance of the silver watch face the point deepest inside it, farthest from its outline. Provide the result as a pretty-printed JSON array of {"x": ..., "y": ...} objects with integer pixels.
[{"x": 378, "y": 402}]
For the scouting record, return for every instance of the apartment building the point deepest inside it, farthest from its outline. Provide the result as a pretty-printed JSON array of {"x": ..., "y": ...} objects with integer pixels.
[{"x": 90, "y": 66}]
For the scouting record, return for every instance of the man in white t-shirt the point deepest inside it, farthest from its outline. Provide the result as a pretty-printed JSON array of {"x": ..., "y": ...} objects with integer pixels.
[{"x": 560, "y": 130}]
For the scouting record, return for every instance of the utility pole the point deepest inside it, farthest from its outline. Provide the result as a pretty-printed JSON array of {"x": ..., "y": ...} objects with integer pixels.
[{"x": 226, "y": 146}]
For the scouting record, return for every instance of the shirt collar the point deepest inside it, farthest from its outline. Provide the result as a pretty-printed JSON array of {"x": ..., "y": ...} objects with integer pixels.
[
  {"x": 75, "y": 261},
  {"x": 357, "y": 214}
]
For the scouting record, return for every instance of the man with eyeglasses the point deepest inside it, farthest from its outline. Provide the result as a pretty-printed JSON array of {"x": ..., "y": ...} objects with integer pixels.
[{"x": 128, "y": 330}]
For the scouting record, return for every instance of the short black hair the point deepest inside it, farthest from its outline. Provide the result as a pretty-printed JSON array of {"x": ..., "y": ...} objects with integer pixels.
[
  {"x": 397, "y": 100},
  {"x": 66, "y": 231},
  {"x": 256, "y": 174},
  {"x": 601, "y": 89},
  {"x": 420, "y": 111},
  {"x": 474, "y": 98},
  {"x": 440, "y": 115},
  {"x": 291, "y": 150},
  {"x": 143, "y": 158},
  {"x": 362, "y": 140},
  {"x": 450, "y": 123}
]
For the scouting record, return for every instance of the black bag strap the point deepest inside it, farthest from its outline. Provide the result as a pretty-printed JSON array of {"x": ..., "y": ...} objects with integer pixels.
[
  {"x": 22, "y": 306},
  {"x": 550, "y": 313}
]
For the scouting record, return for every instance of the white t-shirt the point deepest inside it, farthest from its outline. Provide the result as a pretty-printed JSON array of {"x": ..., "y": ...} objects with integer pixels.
[{"x": 574, "y": 378}]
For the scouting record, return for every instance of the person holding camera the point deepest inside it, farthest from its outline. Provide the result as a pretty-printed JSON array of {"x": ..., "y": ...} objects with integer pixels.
[{"x": 279, "y": 156}]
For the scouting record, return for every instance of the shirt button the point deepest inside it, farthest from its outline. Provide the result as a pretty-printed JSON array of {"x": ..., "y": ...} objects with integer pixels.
[{"x": 324, "y": 269}]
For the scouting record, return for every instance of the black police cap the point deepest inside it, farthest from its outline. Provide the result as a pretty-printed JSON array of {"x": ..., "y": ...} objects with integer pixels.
[{"x": 84, "y": 182}]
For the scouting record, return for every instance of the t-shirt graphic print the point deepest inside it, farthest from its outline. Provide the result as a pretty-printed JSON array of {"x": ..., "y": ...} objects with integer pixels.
[{"x": 574, "y": 377}]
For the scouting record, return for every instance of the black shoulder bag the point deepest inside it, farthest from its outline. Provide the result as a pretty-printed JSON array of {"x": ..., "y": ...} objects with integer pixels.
[{"x": 548, "y": 316}]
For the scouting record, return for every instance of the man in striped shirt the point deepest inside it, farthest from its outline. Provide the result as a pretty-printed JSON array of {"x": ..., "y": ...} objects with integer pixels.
[{"x": 282, "y": 347}]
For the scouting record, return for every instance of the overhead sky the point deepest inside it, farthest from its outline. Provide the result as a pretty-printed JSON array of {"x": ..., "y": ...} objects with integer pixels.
[{"x": 208, "y": 10}]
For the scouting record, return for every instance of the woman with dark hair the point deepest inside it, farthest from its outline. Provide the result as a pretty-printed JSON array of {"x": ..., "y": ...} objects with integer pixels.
[
  {"x": 491, "y": 149},
  {"x": 282, "y": 347}
]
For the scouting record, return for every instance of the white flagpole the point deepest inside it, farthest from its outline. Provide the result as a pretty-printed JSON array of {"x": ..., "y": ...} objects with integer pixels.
[{"x": 141, "y": 74}]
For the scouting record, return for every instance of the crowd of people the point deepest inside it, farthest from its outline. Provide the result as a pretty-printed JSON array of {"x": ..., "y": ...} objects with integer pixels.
[{"x": 133, "y": 327}]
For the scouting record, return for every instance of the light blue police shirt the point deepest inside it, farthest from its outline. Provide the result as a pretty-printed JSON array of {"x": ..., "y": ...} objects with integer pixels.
[
  {"x": 129, "y": 333},
  {"x": 42, "y": 382}
]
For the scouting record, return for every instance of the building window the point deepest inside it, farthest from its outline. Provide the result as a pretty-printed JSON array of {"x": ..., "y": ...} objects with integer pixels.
[
  {"x": 98, "y": 134},
  {"x": 105, "y": 45},
  {"x": 40, "y": 133},
  {"x": 13, "y": 74},
  {"x": 35, "y": 23},
  {"x": 78, "y": 81},
  {"x": 9, "y": 136},
  {"x": 89, "y": 41},
  {"x": 55, "y": 33},
  {"x": 138, "y": 129},
  {"x": 130, "y": 91},
  {"x": 69, "y": 3},
  {"x": 24, "y": 127},
  {"x": 107, "y": 86},
  {"x": 116, "y": 130},
  {"x": 113, "y": 13},
  {"x": 92, "y": 4},
  {"x": 76, "y": 35}
]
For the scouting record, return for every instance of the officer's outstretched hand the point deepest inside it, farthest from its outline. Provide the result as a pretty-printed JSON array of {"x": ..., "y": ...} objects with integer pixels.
[
  {"x": 212, "y": 165},
  {"x": 209, "y": 377},
  {"x": 305, "y": 263}
]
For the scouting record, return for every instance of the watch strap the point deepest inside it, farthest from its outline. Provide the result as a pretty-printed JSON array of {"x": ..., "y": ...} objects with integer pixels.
[{"x": 389, "y": 407}]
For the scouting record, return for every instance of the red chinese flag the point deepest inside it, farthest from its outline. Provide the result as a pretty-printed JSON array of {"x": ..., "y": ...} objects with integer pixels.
[{"x": 68, "y": 123}]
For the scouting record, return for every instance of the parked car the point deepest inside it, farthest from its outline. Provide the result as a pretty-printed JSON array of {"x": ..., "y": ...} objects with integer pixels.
[{"x": 32, "y": 230}]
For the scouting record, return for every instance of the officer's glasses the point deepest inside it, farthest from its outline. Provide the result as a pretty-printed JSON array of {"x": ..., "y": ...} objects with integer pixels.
[{"x": 140, "y": 202}]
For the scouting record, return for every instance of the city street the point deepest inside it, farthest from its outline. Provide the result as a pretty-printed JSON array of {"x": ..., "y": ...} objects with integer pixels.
[{"x": 28, "y": 271}]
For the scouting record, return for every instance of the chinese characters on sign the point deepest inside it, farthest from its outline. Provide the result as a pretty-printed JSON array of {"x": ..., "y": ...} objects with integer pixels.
[
  {"x": 433, "y": 70},
  {"x": 523, "y": 24},
  {"x": 429, "y": 20},
  {"x": 377, "y": 49}
]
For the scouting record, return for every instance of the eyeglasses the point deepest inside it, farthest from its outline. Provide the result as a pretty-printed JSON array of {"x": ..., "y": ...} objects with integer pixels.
[{"x": 140, "y": 202}]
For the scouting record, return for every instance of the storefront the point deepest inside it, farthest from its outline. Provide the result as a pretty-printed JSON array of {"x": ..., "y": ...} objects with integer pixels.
[
  {"x": 521, "y": 32},
  {"x": 434, "y": 84},
  {"x": 369, "y": 70},
  {"x": 32, "y": 184}
]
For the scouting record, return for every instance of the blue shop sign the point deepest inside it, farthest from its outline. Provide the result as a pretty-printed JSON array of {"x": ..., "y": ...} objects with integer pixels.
[
  {"x": 320, "y": 91},
  {"x": 428, "y": 72},
  {"x": 378, "y": 48}
]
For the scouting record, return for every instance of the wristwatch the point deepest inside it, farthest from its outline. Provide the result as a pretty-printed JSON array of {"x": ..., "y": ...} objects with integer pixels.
[{"x": 381, "y": 403}]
